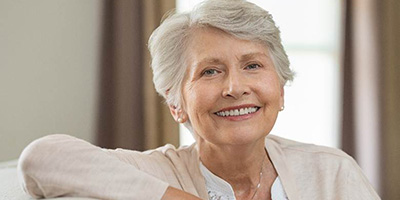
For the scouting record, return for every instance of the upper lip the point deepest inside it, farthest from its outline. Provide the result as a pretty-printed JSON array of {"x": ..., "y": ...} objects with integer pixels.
[{"x": 237, "y": 107}]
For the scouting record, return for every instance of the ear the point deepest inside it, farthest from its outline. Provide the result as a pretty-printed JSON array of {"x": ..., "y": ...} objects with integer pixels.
[{"x": 177, "y": 113}]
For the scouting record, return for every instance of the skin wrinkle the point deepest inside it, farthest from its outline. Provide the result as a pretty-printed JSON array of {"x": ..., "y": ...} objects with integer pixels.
[
  {"x": 231, "y": 150},
  {"x": 241, "y": 19},
  {"x": 190, "y": 86}
]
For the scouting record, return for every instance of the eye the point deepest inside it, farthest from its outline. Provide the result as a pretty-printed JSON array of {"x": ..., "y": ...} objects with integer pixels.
[
  {"x": 252, "y": 66},
  {"x": 209, "y": 72}
]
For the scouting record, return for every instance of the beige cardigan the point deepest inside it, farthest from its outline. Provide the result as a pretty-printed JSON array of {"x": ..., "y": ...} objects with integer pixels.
[{"x": 61, "y": 165}]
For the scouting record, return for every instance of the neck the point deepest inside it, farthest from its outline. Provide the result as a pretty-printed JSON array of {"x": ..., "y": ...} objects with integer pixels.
[{"x": 239, "y": 165}]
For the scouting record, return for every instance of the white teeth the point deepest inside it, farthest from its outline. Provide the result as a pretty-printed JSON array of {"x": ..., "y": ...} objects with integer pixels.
[{"x": 237, "y": 112}]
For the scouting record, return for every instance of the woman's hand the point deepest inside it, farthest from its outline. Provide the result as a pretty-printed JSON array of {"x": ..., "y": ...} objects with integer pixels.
[{"x": 176, "y": 194}]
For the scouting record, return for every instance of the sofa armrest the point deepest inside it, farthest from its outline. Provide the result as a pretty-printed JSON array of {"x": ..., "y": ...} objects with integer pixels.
[{"x": 10, "y": 188}]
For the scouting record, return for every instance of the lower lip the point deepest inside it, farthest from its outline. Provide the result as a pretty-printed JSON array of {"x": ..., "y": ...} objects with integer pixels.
[{"x": 240, "y": 117}]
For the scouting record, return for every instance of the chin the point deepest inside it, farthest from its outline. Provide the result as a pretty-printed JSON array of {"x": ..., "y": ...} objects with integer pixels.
[{"x": 244, "y": 137}]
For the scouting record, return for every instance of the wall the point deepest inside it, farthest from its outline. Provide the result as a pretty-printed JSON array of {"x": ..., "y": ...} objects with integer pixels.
[{"x": 49, "y": 57}]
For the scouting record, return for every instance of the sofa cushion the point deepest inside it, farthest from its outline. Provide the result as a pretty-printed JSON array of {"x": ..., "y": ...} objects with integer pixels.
[{"x": 9, "y": 187}]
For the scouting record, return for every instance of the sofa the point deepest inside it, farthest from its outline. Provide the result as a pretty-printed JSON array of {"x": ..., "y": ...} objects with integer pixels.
[{"x": 10, "y": 188}]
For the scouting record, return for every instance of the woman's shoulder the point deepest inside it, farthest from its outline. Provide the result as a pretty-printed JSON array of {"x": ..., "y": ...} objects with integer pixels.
[
  {"x": 158, "y": 160},
  {"x": 311, "y": 166},
  {"x": 294, "y": 147},
  {"x": 298, "y": 155},
  {"x": 310, "y": 160},
  {"x": 177, "y": 166},
  {"x": 168, "y": 151}
]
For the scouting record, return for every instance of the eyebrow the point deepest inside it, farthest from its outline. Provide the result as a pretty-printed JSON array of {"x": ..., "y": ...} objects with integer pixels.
[
  {"x": 244, "y": 57},
  {"x": 252, "y": 55},
  {"x": 209, "y": 61}
]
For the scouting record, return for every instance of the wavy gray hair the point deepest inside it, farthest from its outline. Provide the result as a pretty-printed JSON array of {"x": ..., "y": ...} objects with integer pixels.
[{"x": 240, "y": 18}]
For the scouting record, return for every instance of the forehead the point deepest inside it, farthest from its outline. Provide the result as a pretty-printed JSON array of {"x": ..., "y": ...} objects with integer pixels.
[{"x": 213, "y": 43}]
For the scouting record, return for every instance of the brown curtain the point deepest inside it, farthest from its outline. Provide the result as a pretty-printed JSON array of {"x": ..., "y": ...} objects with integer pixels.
[
  {"x": 160, "y": 126},
  {"x": 130, "y": 113},
  {"x": 371, "y": 119},
  {"x": 361, "y": 87},
  {"x": 390, "y": 40}
]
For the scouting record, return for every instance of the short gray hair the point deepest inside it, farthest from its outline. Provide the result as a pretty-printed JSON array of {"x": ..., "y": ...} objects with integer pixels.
[{"x": 239, "y": 18}]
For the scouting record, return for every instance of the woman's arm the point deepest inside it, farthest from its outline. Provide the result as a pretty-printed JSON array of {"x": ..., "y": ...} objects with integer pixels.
[{"x": 61, "y": 165}]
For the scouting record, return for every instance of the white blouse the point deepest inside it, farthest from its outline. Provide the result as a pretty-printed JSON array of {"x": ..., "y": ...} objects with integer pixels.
[{"x": 219, "y": 189}]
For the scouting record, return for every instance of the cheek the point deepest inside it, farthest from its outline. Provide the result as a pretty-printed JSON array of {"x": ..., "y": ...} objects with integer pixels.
[
  {"x": 199, "y": 106},
  {"x": 200, "y": 98},
  {"x": 269, "y": 90}
]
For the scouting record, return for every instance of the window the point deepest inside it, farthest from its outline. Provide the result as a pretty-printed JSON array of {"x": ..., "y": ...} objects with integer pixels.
[{"x": 310, "y": 31}]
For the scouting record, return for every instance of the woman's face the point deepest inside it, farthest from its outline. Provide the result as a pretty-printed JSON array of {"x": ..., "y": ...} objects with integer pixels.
[{"x": 231, "y": 92}]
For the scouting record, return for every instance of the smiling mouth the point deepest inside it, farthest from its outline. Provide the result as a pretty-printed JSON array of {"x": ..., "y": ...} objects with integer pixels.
[{"x": 238, "y": 112}]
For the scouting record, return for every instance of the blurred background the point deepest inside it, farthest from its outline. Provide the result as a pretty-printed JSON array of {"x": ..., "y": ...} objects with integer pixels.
[{"x": 82, "y": 68}]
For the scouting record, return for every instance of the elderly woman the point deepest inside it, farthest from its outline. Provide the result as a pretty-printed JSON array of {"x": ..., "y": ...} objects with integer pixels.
[{"x": 221, "y": 69}]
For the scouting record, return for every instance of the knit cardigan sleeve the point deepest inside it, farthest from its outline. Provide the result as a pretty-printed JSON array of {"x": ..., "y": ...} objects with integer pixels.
[{"x": 61, "y": 165}]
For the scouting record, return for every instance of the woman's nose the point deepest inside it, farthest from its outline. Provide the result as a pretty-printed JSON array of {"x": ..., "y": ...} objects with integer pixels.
[{"x": 235, "y": 86}]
